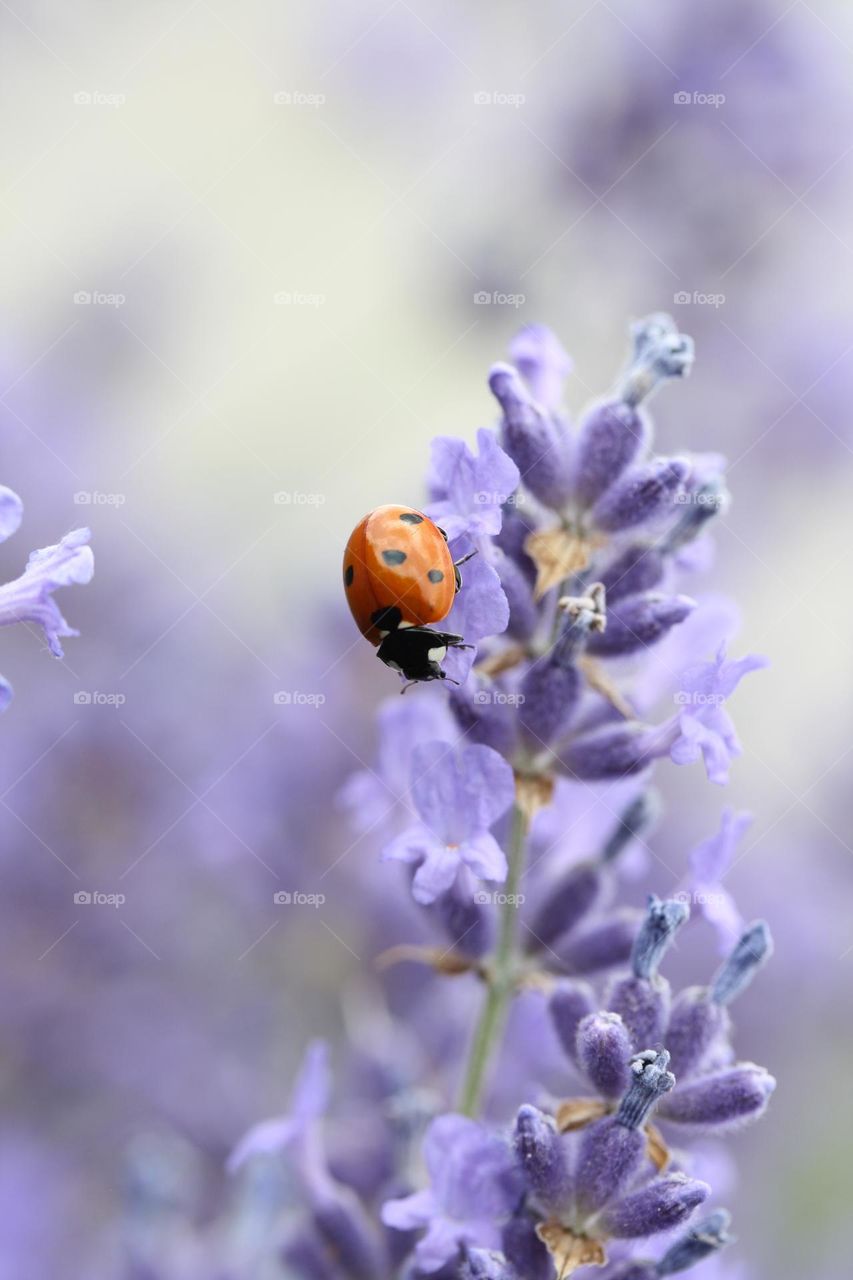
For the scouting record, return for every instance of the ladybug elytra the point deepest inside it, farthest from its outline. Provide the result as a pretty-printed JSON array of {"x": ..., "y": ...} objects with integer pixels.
[{"x": 400, "y": 578}]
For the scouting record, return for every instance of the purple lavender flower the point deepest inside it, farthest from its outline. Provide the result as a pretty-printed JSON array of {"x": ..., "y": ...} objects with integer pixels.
[
  {"x": 459, "y": 796},
  {"x": 709, "y": 862},
  {"x": 704, "y": 727},
  {"x": 30, "y": 597},
  {"x": 474, "y": 1186},
  {"x": 467, "y": 490}
]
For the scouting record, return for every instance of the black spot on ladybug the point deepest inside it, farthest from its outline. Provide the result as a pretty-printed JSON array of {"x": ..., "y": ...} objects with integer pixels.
[
  {"x": 349, "y": 575},
  {"x": 409, "y": 517},
  {"x": 393, "y": 557},
  {"x": 441, "y": 531},
  {"x": 387, "y": 619},
  {"x": 435, "y": 575}
]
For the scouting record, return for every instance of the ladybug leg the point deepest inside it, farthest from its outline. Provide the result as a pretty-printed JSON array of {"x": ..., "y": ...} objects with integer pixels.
[{"x": 458, "y": 563}]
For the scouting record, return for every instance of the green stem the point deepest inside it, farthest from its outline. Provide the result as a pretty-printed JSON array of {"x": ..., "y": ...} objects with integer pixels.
[{"x": 501, "y": 978}]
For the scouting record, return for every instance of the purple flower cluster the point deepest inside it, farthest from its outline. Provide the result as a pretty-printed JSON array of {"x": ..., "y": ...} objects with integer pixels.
[
  {"x": 513, "y": 802},
  {"x": 30, "y": 597}
]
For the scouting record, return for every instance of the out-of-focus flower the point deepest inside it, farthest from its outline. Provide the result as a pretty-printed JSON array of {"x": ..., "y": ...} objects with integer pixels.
[
  {"x": 29, "y": 598},
  {"x": 474, "y": 1187}
]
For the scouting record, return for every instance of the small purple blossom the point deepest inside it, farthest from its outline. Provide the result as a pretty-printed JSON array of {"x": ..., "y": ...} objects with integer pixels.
[
  {"x": 459, "y": 796},
  {"x": 710, "y": 862},
  {"x": 474, "y": 1186},
  {"x": 308, "y": 1103},
  {"x": 467, "y": 490},
  {"x": 704, "y": 727}
]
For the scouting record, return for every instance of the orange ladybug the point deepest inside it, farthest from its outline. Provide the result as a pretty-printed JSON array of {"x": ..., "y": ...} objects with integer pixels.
[{"x": 399, "y": 577}]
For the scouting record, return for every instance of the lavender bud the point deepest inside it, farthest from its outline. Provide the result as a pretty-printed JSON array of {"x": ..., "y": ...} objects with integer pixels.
[
  {"x": 478, "y": 1264},
  {"x": 699, "y": 1019},
  {"x": 643, "y": 999},
  {"x": 662, "y": 922},
  {"x": 532, "y": 439},
  {"x": 609, "y": 1156},
  {"x": 701, "y": 505},
  {"x": 523, "y": 614},
  {"x": 642, "y": 496},
  {"x": 604, "y": 1052},
  {"x": 753, "y": 949},
  {"x": 550, "y": 693},
  {"x": 569, "y": 1003},
  {"x": 696, "y": 1024},
  {"x": 540, "y": 359},
  {"x": 524, "y": 1250},
  {"x": 634, "y": 1271},
  {"x": 722, "y": 1101},
  {"x": 650, "y": 1080},
  {"x": 466, "y": 922},
  {"x": 661, "y": 1205},
  {"x": 614, "y": 752},
  {"x": 643, "y": 1007},
  {"x": 609, "y": 438},
  {"x": 703, "y": 1239},
  {"x": 660, "y": 352},
  {"x": 602, "y": 945},
  {"x": 639, "y": 568},
  {"x": 636, "y": 820},
  {"x": 639, "y": 621},
  {"x": 570, "y": 899},
  {"x": 542, "y": 1156},
  {"x": 485, "y": 714}
]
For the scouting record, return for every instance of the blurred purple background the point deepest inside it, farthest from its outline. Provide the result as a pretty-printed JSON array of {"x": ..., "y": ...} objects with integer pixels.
[{"x": 246, "y": 257}]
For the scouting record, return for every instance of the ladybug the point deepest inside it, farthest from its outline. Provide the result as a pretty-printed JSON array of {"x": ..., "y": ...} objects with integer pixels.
[{"x": 399, "y": 577}]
